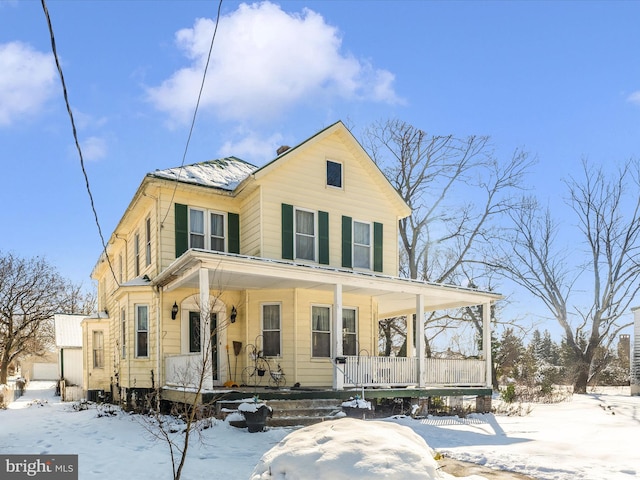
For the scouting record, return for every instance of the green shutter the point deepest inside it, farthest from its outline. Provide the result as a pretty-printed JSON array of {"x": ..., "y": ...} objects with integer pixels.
[
  {"x": 182, "y": 229},
  {"x": 287, "y": 231},
  {"x": 377, "y": 247},
  {"x": 323, "y": 238},
  {"x": 233, "y": 225},
  {"x": 346, "y": 242}
]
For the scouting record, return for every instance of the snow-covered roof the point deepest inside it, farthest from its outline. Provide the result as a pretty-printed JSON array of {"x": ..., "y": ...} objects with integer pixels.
[
  {"x": 68, "y": 330},
  {"x": 137, "y": 282},
  {"x": 224, "y": 173}
]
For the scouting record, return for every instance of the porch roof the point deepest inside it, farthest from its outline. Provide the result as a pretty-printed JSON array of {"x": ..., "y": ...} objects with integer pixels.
[{"x": 395, "y": 296}]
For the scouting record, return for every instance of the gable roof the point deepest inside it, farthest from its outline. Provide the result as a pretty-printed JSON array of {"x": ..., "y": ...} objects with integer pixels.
[
  {"x": 68, "y": 330},
  {"x": 224, "y": 173},
  {"x": 357, "y": 151}
]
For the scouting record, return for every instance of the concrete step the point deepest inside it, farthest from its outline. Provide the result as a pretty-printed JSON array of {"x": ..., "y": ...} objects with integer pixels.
[{"x": 288, "y": 412}]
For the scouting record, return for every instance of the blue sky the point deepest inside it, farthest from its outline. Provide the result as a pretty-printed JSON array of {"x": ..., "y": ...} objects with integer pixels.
[{"x": 558, "y": 79}]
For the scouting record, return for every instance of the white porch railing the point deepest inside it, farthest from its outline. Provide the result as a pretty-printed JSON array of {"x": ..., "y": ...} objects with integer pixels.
[
  {"x": 454, "y": 372},
  {"x": 403, "y": 371},
  {"x": 184, "y": 371}
]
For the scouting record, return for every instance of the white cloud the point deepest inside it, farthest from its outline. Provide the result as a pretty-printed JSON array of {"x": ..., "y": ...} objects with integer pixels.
[
  {"x": 94, "y": 148},
  {"x": 251, "y": 147},
  {"x": 264, "y": 61},
  {"x": 634, "y": 98},
  {"x": 26, "y": 81}
]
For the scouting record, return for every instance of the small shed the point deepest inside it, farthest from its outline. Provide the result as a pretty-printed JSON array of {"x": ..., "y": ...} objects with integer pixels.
[{"x": 68, "y": 334}]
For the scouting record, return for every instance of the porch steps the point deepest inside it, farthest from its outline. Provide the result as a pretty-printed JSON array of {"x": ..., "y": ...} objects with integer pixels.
[{"x": 288, "y": 413}]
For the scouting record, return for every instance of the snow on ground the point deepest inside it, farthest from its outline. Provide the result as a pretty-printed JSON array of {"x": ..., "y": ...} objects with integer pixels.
[{"x": 591, "y": 437}]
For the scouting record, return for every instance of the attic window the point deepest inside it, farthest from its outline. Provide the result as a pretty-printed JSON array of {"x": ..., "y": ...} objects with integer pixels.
[{"x": 334, "y": 174}]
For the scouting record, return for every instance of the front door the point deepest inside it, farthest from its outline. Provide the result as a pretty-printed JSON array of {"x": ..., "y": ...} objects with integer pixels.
[{"x": 195, "y": 343}]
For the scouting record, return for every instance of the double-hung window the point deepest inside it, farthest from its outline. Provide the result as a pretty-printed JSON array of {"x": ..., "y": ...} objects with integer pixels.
[
  {"x": 98, "y": 349},
  {"x": 361, "y": 245},
  {"x": 217, "y": 231},
  {"x": 349, "y": 331},
  {"x": 206, "y": 230},
  {"x": 271, "y": 329},
  {"x": 320, "y": 331},
  {"x": 196, "y": 228},
  {"x": 142, "y": 331},
  {"x": 305, "y": 234}
]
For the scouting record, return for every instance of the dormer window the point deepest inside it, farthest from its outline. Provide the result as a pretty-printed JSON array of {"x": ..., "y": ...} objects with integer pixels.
[{"x": 334, "y": 174}]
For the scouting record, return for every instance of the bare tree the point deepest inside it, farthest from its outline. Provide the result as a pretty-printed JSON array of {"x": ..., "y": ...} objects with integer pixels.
[
  {"x": 455, "y": 187},
  {"x": 608, "y": 214},
  {"x": 76, "y": 300},
  {"x": 30, "y": 294},
  {"x": 193, "y": 415}
]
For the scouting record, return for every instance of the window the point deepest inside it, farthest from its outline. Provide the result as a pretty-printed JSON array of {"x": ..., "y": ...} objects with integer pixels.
[
  {"x": 305, "y": 228},
  {"x": 361, "y": 245},
  {"x": 207, "y": 230},
  {"x": 142, "y": 331},
  {"x": 217, "y": 232},
  {"x": 334, "y": 174},
  {"x": 98, "y": 349},
  {"x": 320, "y": 331},
  {"x": 123, "y": 333},
  {"x": 120, "y": 268},
  {"x": 271, "y": 329},
  {"x": 196, "y": 228},
  {"x": 136, "y": 255},
  {"x": 147, "y": 244},
  {"x": 349, "y": 334},
  {"x": 194, "y": 332}
]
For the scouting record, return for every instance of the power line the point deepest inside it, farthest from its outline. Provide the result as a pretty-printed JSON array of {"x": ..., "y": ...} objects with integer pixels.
[
  {"x": 195, "y": 112},
  {"x": 75, "y": 136}
]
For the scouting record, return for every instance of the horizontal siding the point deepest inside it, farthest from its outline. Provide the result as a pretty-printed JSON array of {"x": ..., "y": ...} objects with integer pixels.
[
  {"x": 250, "y": 225},
  {"x": 305, "y": 176}
]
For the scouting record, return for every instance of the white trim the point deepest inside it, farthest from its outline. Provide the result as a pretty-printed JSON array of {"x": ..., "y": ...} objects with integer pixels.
[
  {"x": 315, "y": 234},
  {"x": 136, "y": 306},
  {"x": 357, "y": 319},
  {"x": 353, "y": 244},
  {"x": 262, "y": 329},
  {"x": 331, "y": 346},
  {"x": 206, "y": 213}
]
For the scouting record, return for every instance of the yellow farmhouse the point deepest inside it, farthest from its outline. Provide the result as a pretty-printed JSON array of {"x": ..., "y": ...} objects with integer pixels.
[{"x": 298, "y": 258}]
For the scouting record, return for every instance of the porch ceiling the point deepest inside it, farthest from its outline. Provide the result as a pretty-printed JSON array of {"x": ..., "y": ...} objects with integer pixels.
[{"x": 395, "y": 296}]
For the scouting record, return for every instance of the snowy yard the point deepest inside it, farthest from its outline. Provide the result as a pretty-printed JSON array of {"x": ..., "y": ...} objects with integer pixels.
[{"x": 592, "y": 437}]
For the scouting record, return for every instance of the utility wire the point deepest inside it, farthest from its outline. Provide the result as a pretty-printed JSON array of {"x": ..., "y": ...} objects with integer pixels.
[
  {"x": 195, "y": 112},
  {"x": 75, "y": 137}
]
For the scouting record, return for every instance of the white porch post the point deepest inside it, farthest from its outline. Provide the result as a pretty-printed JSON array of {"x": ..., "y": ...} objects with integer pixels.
[
  {"x": 205, "y": 317},
  {"x": 420, "y": 338},
  {"x": 204, "y": 293},
  {"x": 486, "y": 341},
  {"x": 410, "y": 351},
  {"x": 338, "y": 376}
]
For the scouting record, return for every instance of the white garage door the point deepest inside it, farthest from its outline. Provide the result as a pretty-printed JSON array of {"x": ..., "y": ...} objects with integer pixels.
[{"x": 45, "y": 371}]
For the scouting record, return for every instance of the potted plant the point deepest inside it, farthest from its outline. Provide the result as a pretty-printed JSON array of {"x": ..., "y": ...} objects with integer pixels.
[
  {"x": 356, "y": 407},
  {"x": 255, "y": 414}
]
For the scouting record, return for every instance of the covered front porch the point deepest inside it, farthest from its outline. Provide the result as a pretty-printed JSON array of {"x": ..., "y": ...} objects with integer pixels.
[{"x": 389, "y": 297}]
